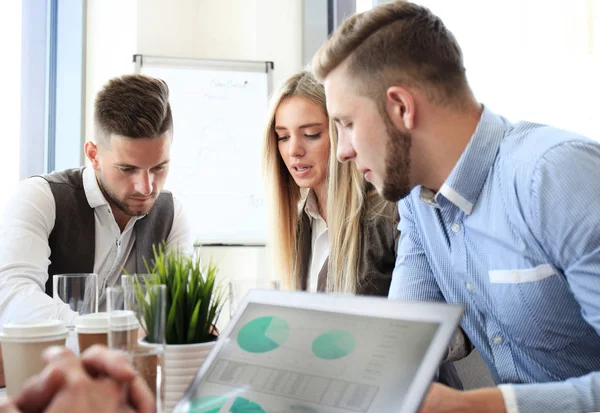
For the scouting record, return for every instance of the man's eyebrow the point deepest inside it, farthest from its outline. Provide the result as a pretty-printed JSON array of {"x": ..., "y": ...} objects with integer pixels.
[
  {"x": 125, "y": 165},
  {"x": 163, "y": 163}
]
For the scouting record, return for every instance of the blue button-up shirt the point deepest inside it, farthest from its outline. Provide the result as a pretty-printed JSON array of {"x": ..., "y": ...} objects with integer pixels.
[{"x": 514, "y": 236}]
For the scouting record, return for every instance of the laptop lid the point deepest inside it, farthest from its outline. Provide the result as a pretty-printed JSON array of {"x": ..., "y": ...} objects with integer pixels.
[{"x": 298, "y": 352}]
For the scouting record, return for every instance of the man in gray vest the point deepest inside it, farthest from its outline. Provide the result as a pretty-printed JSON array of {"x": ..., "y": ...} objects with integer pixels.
[{"x": 97, "y": 219}]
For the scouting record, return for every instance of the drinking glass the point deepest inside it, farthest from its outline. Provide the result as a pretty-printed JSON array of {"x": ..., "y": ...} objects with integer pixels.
[
  {"x": 130, "y": 282},
  {"x": 136, "y": 326},
  {"x": 78, "y": 292}
]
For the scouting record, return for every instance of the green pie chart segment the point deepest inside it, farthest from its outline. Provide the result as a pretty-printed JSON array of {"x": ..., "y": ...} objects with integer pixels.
[
  {"x": 333, "y": 345},
  {"x": 263, "y": 334},
  {"x": 241, "y": 405},
  {"x": 207, "y": 404}
]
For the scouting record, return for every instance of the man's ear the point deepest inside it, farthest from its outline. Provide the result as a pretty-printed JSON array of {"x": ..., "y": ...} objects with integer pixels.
[
  {"x": 91, "y": 151},
  {"x": 401, "y": 107}
]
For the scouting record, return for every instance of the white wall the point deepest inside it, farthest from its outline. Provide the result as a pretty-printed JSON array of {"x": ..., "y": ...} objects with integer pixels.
[{"x": 224, "y": 29}]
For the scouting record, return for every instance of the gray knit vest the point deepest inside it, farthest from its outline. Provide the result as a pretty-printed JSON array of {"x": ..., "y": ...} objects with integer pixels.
[{"x": 72, "y": 240}]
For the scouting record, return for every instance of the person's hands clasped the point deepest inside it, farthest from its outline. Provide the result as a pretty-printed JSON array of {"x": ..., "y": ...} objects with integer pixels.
[{"x": 101, "y": 381}]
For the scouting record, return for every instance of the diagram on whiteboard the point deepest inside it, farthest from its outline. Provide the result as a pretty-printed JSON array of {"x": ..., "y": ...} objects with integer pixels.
[
  {"x": 215, "y": 139},
  {"x": 216, "y": 154}
]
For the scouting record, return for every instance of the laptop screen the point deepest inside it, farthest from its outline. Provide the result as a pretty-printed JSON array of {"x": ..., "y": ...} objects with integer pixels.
[{"x": 283, "y": 359}]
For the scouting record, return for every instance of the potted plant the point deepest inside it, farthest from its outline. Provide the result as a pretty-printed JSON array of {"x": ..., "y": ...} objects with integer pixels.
[{"x": 194, "y": 301}]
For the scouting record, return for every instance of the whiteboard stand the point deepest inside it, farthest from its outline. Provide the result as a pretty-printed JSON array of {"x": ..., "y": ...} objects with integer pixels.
[{"x": 241, "y": 65}]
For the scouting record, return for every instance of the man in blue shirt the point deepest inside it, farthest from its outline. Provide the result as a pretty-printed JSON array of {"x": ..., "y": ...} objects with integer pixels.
[{"x": 499, "y": 217}]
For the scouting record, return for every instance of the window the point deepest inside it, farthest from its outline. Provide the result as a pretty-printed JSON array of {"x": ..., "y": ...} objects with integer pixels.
[
  {"x": 10, "y": 106},
  {"x": 535, "y": 60},
  {"x": 363, "y": 5}
]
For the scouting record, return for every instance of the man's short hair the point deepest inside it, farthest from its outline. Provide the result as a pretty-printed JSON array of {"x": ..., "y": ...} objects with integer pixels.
[
  {"x": 398, "y": 43},
  {"x": 134, "y": 106}
]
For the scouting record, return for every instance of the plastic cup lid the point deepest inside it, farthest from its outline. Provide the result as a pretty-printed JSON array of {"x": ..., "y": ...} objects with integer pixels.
[
  {"x": 34, "y": 329},
  {"x": 122, "y": 320},
  {"x": 92, "y": 323}
]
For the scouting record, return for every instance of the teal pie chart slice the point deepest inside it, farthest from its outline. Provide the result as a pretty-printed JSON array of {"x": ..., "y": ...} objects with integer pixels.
[
  {"x": 214, "y": 404},
  {"x": 241, "y": 405},
  {"x": 333, "y": 345},
  {"x": 263, "y": 334}
]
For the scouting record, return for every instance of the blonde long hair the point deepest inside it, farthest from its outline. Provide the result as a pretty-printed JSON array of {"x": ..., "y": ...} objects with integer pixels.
[
  {"x": 345, "y": 200},
  {"x": 345, "y": 203}
]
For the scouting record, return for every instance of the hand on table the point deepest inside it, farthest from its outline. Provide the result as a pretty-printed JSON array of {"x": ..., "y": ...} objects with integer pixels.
[
  {"x": 443, "y": 399},
  {"x": 101, "y": 381}
]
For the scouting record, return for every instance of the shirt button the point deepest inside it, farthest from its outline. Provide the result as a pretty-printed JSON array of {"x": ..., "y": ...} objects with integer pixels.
[
  {"x": 118, "y": 243},
  {"x": 498, "y": 340},
  {"x": 456, "y": 228},
  {"x": 469, "y": 287}
]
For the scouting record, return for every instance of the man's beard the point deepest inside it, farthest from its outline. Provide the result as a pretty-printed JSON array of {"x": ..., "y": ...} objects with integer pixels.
[
  {"x": 396, "y": 182},
  {"x": 122, "y": 205}
]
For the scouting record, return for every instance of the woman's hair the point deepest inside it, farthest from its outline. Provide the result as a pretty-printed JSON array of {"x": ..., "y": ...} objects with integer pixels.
[{"x": 345, "y": 200}]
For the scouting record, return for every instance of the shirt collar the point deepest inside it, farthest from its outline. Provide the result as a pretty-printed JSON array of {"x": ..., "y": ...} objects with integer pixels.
[
  {"x": 311, "y": 207},
  {"x": 93, "y": 193},
  {"x": 466, "y": 180}
]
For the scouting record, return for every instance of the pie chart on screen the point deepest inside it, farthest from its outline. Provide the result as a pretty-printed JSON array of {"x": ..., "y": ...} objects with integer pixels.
[
  {"x": 241, "y": 405},
  {"x": 263, "y": 334},
  {"x": 333, "y": 345}
]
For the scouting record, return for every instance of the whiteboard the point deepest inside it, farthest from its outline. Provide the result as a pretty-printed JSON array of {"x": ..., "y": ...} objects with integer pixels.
[{"x": 219, "y": 109}]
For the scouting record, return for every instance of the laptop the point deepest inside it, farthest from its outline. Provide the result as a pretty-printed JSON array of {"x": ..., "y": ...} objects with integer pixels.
[{"x": 297, "y": 352}]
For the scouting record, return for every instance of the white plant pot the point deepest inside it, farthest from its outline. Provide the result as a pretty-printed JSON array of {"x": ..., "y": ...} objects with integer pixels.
[{"x": 182, "y": 362}]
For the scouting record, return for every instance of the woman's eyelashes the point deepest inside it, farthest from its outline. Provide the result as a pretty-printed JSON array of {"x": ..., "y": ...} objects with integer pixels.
[{"x": 306, "y": 135}]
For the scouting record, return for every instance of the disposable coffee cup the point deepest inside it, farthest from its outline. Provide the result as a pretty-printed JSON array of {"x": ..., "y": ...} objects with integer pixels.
[
  {"x": 91, "y": 329},
  {"x": 123, "y": 329},
  {"x": 22, "y": 346}
]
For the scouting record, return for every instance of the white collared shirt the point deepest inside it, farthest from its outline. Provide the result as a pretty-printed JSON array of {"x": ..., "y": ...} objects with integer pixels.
[
  {"x": 25, "y": 226},
  {"x": 319, "y": 241}
]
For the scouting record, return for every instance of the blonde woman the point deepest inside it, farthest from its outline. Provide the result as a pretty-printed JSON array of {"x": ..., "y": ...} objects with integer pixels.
[{"x": 330, "y": 231}]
